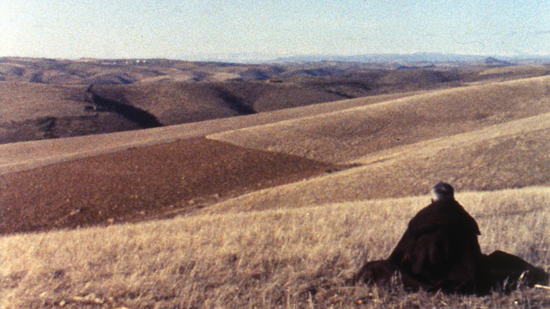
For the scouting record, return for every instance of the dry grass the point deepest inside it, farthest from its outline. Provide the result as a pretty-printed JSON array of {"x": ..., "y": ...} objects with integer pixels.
[
  {"x": 177, "y": 92},
  {"x": 516, "y": 70},
  {"x": 174, "y": 92},
  {"x": 293, "y": 258},
  {"x": 274, "y": 248},
  {"x": 32, "y": 154},
  {"x": 346, "y": 135},
  {"x": 509, "y": 155},
  {"x": 22, "y": 101}
]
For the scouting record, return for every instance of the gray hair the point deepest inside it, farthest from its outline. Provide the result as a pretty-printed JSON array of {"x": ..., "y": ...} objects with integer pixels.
[{"x": 442, "y": 191}]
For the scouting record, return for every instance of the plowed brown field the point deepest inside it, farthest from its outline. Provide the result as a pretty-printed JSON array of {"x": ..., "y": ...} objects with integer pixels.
[{"x": 142, "y": 183}]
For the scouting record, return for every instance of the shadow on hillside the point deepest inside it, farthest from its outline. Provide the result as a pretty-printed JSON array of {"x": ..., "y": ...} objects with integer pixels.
[
  {"x": 141, "y": 117},
  {"x": 235, "y": 103}
]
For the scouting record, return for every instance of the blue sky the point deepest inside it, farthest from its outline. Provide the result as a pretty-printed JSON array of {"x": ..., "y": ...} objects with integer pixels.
[{"x": 208, "y": 29}]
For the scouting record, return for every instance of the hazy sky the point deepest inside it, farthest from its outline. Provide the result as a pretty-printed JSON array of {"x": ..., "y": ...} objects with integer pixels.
[{"x": 206, "y": 29}]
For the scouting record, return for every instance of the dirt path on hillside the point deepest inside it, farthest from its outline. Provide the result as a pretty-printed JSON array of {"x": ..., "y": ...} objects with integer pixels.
[{"x": 142, "y": 183}]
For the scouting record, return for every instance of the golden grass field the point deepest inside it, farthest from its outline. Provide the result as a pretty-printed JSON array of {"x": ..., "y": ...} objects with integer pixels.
[
  {"x": 349, "y": 176},
  {"x": 287, "y": 258}
]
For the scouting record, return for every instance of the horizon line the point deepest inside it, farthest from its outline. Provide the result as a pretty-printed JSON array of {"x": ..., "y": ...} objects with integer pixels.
[{"x": 258, "y": 57}]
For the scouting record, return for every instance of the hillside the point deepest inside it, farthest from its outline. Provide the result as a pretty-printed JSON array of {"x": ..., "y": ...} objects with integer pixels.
[
  {"x": 476, "y": 137},
  {"x": 345, "y": 135},
  {"x": 290, "y": 258},
  {"x": 513, "y": 155},
  {"x": 31, "y": 154},
  {"x": 481, "y": 137},
  {"x": 272, "y": 209},
  {"x": 49, "y": 98}
]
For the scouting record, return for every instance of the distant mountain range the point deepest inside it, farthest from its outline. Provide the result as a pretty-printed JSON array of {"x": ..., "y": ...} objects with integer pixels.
[
  {"x": 415, "y": 57},
  {"x": 400, "y": 58}
]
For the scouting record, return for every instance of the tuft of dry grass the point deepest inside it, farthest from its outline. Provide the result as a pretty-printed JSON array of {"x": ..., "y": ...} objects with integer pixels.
[{"x": 288, "y": 258}]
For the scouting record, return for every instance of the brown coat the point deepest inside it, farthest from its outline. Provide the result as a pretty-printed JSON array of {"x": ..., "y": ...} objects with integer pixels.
[
  {"x": 440, "y": 247},
  {"x": 439, "y": 251}
]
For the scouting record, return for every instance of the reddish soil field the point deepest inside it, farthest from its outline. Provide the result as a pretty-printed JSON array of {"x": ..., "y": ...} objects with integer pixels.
[{"x": 142, "y": 183}]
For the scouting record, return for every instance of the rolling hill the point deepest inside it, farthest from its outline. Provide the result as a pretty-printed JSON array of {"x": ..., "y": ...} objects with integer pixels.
[
  {"x": 476, "y": 137},
  {"x": 51, "y": 98},
  {"x": 344, "y": 135},
  {"x": 270, "y": 209}
]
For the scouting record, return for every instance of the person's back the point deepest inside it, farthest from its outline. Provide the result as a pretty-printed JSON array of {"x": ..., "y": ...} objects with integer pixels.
[
  {"x": 440, "y": 246},
  {"x": 439, "y": 251}
]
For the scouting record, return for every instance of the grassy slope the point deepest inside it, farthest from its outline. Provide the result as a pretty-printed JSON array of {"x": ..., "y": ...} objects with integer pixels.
[
  {"x": 22, "y": 101},
  {"x": 25, "y": 155},
  {"x": 177, "y": 103},
  {"x": 507, "y": 148},
  {"x": 25, "y": 104},
  {"x": 33, "y": 111},
  {"x": 298, "y": 258},
  {"x": 509, "y": 155},
  {"x": 345, "y": 135}
]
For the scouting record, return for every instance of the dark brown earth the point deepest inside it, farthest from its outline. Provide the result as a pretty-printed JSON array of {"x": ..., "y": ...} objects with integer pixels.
[{"x": 142, "y": 183}]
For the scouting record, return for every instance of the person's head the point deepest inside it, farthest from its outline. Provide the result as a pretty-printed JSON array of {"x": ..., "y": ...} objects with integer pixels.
[{"x": 442, "y": 191}]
